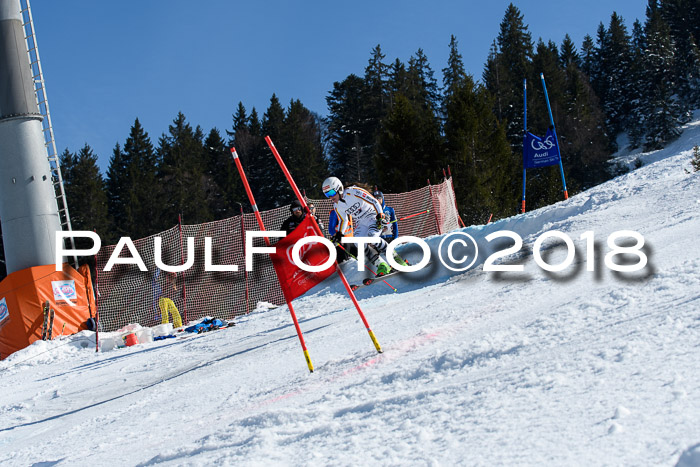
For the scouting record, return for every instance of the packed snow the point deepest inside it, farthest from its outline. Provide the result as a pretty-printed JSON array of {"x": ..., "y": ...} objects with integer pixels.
[{"x": 576, "y": 367}]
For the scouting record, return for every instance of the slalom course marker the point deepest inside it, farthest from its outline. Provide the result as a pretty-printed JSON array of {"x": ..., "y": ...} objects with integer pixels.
[
  {"x": 254, "y": 205},
  {"x": 301, "y": 199},
  {"x": 526, "y": 136},
  {"x": 551, "y": 122}
]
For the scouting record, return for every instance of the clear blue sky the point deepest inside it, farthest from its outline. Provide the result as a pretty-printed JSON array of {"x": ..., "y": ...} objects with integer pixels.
[{"x": 107, "y": 63}]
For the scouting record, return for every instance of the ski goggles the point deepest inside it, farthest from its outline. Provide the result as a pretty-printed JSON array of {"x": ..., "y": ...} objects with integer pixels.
[
  {"x": 296, "y": 209},
  {"x": 330, "y": 193}
]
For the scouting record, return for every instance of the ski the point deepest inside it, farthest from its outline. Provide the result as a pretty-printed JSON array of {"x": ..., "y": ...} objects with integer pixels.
[
  {"x": 46, "y": 320},
  {"x": 371, "y": 280},
  {"x": 50, "y": 330}
]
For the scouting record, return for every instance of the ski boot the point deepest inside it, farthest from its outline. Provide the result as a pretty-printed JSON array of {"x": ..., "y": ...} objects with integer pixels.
[{"x": 383, "y": 269}]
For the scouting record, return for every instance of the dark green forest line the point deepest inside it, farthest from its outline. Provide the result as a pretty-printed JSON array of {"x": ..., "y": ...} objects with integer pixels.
[{"x": 395, "y": 126}]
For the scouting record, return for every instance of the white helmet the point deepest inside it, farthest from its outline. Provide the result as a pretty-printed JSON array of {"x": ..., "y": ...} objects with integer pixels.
[{"x": 331, "y": 186}]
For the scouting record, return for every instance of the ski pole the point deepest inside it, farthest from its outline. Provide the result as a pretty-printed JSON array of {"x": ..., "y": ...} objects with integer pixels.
[
  {"x": 408, "y": 217},
  {"x": 370, "y": 270}
]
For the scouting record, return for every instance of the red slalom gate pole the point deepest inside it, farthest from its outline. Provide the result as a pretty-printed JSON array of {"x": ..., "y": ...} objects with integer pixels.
[
  {"x": 340, "y": 273},
  {"x": 412, "y": 215},
  {"x": 267, "y": 241}
]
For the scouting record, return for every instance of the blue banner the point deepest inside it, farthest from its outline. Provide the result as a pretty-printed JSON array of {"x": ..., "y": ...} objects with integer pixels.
[{"x": 540, "y": 152}]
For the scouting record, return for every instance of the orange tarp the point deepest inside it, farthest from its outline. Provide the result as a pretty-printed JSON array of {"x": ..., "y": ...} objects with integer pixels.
[{"x": 22, "y": 295}]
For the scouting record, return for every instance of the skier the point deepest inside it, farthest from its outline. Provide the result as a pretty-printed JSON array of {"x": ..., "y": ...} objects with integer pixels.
[
  {"x": 367, "y": 217},
  {"x": 392, "y": 232}
]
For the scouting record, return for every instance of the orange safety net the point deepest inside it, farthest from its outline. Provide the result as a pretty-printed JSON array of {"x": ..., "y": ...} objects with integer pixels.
[{"x": 128, "y": 295}]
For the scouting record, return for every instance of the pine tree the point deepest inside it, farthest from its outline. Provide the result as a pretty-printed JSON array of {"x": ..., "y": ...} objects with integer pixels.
[
  {"x": 144, "y": 194},
  {"x": 223, "y": 184},
  {"x": 303, "y": 151},
  {"x": 589, "y": 58},
  {"x": 682, "y": 17},
  {"x": 86, "y": 195},
  {"x": 477, "y": 148},
  {"x": 376, "y": 94},
  {"x": 350, "y": 137},
  {"x": 637, "y": 121},
  {"x": 399, "y": 81},
  {"x": 376, "y": 104},
  {"x": 664, "y": 112},
  {"x": 695, "y": 161},
  {"x": 419, "y": 69},
  {"x": 613, "y": 84},
  {"x": 257, "y": 150},
  {"x": 117, "y": 193},
  {"x": 568, "y": 55},
  {"x": 507, "y": 66},
  {"x": 273, "y": 187},
  {"x": 67, "y": 160},
  {"x": 584, "y": 146},
  {"x": 410, "y": 132},
  {"x": 182, "y": 174},
  {"x": 453, "y": 75},
  {"x": 246, "y": 137},
  {"x": 400, "y": 140}
]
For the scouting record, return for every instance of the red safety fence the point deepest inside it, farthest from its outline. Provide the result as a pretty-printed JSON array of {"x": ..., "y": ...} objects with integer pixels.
[{"x": 128, "y": 295}]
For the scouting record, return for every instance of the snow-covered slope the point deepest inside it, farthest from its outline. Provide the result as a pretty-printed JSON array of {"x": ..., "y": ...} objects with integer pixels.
[{"x": 574, "y": 367}]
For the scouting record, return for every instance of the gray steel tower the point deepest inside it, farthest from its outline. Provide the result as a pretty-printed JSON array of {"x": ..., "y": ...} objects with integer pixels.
[{"x": 28, "y": 208}]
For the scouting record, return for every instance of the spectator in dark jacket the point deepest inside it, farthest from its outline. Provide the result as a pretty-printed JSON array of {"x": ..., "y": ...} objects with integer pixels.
[{"x": 297, "y": 217}]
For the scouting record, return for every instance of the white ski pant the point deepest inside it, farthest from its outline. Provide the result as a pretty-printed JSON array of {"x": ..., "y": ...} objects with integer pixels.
[{"x": 372, "y": 250}]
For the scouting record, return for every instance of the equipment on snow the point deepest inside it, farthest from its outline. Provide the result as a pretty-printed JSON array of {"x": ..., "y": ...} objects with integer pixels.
[
  {"x": 46, "y": 320},
  {"x": 209, "y": 324},
  {"x": 49, "y": 332}
]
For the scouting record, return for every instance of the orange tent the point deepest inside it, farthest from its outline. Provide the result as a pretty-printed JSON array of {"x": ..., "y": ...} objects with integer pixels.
[{"x": 23, "y": 294}]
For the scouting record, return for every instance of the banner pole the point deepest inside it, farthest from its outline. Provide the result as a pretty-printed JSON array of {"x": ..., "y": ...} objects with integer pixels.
[
  {"x": 184, "y": 282},
  {"x": 524, "y": 138},
  {"x": 454, "y": 195},
  {"x": 293, "y": 184},
  {"x": 234, "y": 154},
  {"x": 551, "y": 121},
  {"x": 97, "y": 307},
  {"x": 245, "y": 273},
  {"x": 432, "y": 203}
]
